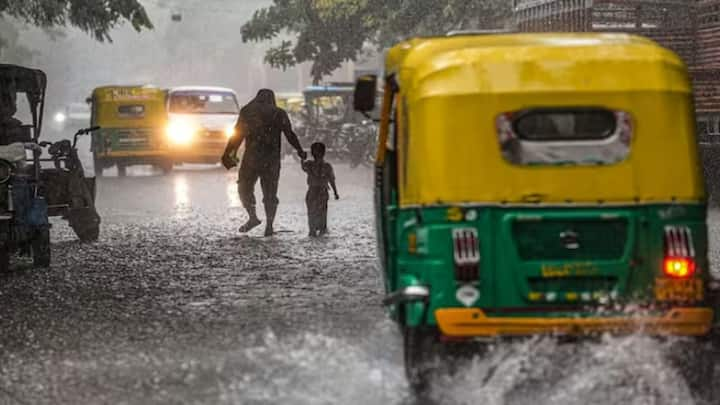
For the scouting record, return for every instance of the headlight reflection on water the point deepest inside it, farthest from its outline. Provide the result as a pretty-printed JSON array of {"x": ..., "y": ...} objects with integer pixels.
[{"x": 182, "y": 195}]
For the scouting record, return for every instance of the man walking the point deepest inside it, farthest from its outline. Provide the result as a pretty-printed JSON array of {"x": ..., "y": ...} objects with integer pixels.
[{"x": 260, "y": 126}]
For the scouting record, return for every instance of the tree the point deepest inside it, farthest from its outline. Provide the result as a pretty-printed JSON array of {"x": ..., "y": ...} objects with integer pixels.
[
  {"x": 96, "y": 17},
  {"x": 330, "y": 32},
  {"x": 10, "y": 49}
]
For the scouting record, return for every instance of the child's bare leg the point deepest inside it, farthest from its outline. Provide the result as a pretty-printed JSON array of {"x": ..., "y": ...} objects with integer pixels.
[{"x": 322, "y": 215}]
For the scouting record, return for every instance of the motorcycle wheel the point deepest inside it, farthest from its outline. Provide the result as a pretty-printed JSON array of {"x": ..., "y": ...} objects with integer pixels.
[{"x": 40, "y": 248}]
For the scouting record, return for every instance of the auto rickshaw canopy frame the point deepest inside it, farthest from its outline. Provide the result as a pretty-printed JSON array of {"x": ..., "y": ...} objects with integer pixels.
[{"x": 17, "y": 79}]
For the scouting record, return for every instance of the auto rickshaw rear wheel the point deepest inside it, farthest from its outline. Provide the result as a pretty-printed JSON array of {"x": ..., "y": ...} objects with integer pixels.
[
  {"x": 40, "y": 247},
  {"x": 696, "y": 360},
  {"x": 422, "y": 353}
]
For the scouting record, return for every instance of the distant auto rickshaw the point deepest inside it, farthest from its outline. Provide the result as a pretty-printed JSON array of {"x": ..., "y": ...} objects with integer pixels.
[
  {"x": 29, "y": 192},
  {"x": 133, "y": 121},
  {"x": 290, "y": 102},
  {"x": 543, "y": 184},
  {"x": 329, "y": 118}
]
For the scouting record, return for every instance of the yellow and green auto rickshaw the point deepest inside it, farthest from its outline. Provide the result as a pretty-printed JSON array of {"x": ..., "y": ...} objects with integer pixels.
[
  {"x": 133, "y": 121},
  {"x": 540, "y": 184}
]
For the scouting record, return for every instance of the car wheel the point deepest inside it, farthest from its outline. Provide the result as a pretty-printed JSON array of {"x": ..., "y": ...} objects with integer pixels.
[{"x": 166, "y": 167}]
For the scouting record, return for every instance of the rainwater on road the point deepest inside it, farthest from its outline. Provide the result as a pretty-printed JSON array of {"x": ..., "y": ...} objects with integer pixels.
[{"x": 173, "y": 305}]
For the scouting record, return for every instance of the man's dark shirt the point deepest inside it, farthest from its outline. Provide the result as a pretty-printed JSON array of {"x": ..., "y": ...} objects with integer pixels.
[{"x": 263, "y": 125}]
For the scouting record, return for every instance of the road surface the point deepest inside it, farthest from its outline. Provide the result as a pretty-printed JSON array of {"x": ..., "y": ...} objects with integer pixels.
[{"x": 172, "y": 306}]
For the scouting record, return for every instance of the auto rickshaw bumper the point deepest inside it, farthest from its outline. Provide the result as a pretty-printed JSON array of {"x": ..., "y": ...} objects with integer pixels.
[{"x": 473, "y": 322}]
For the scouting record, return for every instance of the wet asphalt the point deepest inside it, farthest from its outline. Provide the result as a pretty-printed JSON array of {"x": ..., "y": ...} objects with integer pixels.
[
  {"x": 173, "y": 306},
  {"x": 151, "y": 312}
]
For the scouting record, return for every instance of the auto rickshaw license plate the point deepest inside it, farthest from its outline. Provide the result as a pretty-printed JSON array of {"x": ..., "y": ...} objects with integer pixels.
[{"x": 668, "y": 289}]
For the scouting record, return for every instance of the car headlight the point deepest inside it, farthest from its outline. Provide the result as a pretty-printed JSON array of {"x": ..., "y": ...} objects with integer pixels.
[
  {"x": 60, "y": 118},
  {"x": 181, "y": 132},
  {"x": 230, "y": 131}
]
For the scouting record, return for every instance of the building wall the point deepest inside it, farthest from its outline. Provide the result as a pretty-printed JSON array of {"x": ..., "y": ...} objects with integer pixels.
[{"x": 691, "y": 28}]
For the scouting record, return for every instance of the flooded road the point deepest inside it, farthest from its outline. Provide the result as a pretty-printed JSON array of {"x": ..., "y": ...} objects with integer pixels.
[{"x": 172, "y": 305}]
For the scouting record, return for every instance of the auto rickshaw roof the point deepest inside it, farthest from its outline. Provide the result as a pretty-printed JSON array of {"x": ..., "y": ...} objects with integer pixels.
[
  {"x": 498, "y": 59},
  {"x": 147, "y": 87},
  {"x": 25, "y": 80}
]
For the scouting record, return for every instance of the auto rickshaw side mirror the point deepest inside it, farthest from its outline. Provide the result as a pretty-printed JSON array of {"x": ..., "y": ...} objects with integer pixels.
[{"x": 365, "y": 93}]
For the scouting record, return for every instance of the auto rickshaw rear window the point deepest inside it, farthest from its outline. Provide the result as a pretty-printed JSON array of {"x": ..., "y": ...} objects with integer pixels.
[
  {"x": 572, "y": 137},
  {"x": 565, "y": 125},
  {"x": 131, "y": 111}
]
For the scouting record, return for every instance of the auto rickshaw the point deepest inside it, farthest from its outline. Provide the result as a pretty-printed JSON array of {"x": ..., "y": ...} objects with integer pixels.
[
  {"x": 133, "y": 121},
  {"x": 290, "y": 102},
  {"x": 543, "y": 184},
  {"x": 30, "y": 192},
  {"x": 329, "y": 118}
]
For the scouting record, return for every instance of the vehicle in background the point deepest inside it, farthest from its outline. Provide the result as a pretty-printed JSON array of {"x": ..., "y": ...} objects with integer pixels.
[
  {"x": 329, "y": 118},
  {"x": 291, "y": 102},
  {"x": 133, "y": 121},
  {"x": 200, "y": 122},
  {"x": 30, "y": 193},
  {"x": 567, "y": 200},
  {"x": 294, "y": 105}
]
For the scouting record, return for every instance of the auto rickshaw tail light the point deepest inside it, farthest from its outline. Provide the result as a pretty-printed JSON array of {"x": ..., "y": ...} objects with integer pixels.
[
  {"x": 679, "y": 261},
  {"x": 681, "y": 267},
  {"x": 466, "y": 253}
]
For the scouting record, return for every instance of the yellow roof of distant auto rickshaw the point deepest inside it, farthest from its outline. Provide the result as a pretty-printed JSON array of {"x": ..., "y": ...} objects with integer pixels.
[
  {"x": 108, "y": 101},
  {"x": 509, "y": 57}
]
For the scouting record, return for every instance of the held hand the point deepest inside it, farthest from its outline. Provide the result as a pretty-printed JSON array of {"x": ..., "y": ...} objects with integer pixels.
[
  {"x": 337, "y": 197},
  {"x": 302, "y": 154}
]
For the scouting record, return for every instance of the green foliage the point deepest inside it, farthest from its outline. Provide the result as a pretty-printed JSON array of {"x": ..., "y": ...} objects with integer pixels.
[
  {"x": 330, "y": 32},
  {"x": 96, "y": 17}
]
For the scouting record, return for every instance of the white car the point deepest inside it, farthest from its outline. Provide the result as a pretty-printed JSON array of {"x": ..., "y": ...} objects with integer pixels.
[{"x": 200, "y": 122}]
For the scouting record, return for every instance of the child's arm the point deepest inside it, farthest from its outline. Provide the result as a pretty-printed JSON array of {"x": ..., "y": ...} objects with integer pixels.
[
  {"x": 332, "y": 181},
  {"x": 305, "y": 165}
]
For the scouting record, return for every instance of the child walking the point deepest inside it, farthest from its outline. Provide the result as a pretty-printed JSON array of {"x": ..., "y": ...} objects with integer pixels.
[{"x": 320, "y": 175}]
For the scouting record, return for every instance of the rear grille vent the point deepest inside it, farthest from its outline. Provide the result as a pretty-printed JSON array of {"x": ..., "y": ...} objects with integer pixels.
[
  {"x": 679, "y": 242},
  {"x": 466, "y": 248}
]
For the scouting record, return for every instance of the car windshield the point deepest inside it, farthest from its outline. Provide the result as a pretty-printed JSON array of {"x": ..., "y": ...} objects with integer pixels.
[{"x": 203, "y": 102}]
